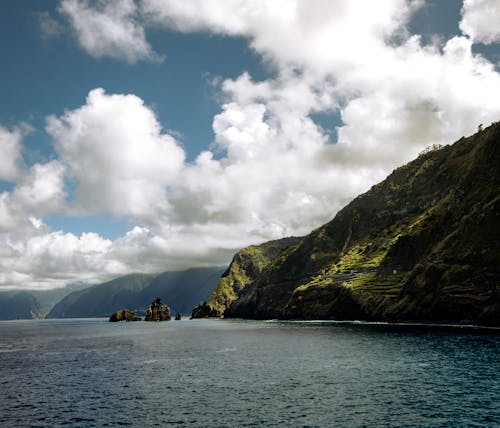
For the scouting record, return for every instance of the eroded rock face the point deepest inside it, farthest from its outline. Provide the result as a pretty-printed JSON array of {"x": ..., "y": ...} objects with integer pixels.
[
  {"x": 157, "y": 311},
  {"x": 124, "y": 315}
]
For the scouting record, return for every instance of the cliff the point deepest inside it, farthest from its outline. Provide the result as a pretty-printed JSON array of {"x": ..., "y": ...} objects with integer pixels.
[
  {"x": 246, "y": 265},
  {"x": 423, "y": 245}
]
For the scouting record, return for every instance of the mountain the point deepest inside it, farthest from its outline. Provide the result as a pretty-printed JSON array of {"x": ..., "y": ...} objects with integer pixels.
[
  {"x": 181, "y": 290},
  {"x": 30, "y": 304},
  {"x": 19, "y": 305},
  {"x": 423, "y": 245}
]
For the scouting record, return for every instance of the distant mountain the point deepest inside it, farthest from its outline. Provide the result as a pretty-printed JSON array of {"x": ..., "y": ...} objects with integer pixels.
[
  {"x": 19, "y": 305},
  {"x": 30, "y": 304},
  {"x": 181, "y": 290},
  {"x": 423, "y": 245}
]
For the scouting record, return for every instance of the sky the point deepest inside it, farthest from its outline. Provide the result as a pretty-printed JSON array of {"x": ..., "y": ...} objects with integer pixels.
[{"x": 154, "y": 135}]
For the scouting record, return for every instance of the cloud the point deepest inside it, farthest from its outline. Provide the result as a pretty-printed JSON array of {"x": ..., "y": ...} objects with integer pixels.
[
  {"x": 10, "y": 153},
  {"x": 41, "y": 190},
  {"x": 394, "y": 93},
  {"x": 109, "y": 29},
  {"x": 50, "y": 259},
  {"x": 270, "y": 169},
  {"x": 480, "y": 20},
  {"x": 328, "y": 36},
  {"x": 49, "y": 26},
  {"x": 115, "y": 151},
  {"x": 119, "y": 161}
]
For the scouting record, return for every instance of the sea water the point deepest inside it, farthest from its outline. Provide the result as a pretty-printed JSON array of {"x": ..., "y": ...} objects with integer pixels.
[{"x": 230, "y": 373}]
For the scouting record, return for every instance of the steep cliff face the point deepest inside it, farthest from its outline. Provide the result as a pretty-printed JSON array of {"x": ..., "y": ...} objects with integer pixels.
[
  {"x": 246, "y": 265},
  {"x": 421, "y": 245}
]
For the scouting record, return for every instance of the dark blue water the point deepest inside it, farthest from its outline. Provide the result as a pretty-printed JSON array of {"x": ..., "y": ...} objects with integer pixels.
[{"x": 245, "y": 374}]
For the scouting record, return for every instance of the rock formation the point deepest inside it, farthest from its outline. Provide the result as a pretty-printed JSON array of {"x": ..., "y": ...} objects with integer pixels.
[
  {"x": 178, "y": 316},
  {"x": 157, "y": 311},
  {"x": 124, "y": 315}
]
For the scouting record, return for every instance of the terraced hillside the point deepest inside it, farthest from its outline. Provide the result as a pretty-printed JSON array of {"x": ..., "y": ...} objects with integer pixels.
[{"x": 421, "y": 245}]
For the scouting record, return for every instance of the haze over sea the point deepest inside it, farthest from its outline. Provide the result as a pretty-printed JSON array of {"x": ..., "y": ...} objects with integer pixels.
[{"x": 210, "y": 373}]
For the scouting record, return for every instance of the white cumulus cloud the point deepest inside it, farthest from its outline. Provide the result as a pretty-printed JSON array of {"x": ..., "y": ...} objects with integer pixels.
[
  {"x": 114, "y": 148},
  {"x": 108, "y": 28},
  {"x": 480, "y": 20},
  {"x": 10, "y": 153}
]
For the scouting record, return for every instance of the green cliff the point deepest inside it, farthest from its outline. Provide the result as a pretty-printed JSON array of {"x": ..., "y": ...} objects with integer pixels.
[
  {"x": 423, "y": 245},
  {"x": 246, "y": 265}
]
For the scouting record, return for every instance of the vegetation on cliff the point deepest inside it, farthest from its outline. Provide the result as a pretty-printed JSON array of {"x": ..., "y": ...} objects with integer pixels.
[
  {"x": 421, "y": 245},
  {"x": 246, "y": 265}
]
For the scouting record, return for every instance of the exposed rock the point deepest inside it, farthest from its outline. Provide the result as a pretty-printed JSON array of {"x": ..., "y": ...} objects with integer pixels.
[
  {"x": 423, "y": 245},
  {"x": 178, "y": 316},
  {"x": 124, "y": 315},
  {"x": 157, "y": 311},
  {"x": 204, "y": 310}
]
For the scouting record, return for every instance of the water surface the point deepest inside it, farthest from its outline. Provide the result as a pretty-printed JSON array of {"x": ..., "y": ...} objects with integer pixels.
[{"x": 210, "y": 373}]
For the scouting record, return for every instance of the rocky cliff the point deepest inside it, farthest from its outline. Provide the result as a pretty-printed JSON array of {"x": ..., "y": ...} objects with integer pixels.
[{"x": 423, "y": 245}]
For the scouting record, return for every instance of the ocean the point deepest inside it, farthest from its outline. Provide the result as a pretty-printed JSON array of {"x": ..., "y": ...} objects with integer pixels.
[{"x": 234, "y": 373}]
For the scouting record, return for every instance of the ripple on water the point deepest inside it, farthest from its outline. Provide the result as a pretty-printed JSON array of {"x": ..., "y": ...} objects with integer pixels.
[{"x": 229, "y": 373}]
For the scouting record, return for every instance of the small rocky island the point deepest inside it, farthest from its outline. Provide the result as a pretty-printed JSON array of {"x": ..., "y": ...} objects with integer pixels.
[
  {"x": 157, "y": 311},
  {"x": 124, "y": 315}
]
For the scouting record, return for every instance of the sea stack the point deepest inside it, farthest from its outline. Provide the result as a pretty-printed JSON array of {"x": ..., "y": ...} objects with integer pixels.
[
  {"x": 157, "y": 311},
  {"x": 178, "y": 316},
  {"x": 124, "y": 315}
]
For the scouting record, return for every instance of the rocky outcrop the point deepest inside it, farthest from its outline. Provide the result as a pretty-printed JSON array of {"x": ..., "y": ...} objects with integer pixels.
[
  {"x": 423, "y": 245},
  {"x": 204, "y": 310},
  {"x": 178, "y": 316},
  {"x": 124, "y": 315},
  {"x": 157, "y": 311}
]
